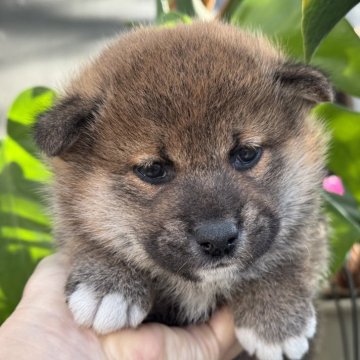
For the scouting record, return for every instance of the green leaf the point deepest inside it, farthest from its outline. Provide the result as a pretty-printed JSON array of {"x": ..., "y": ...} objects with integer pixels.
[
  {"x": 344, "y": 218},
  {"x": 229, "y": 8},
  {"x": 277, "y": 19},
  {"x": 172, "y": 18},
  {"x": 344, "y": 159},
  {"x": 162, "y": 7},
  {"x": 344, "y": 211},
  {"x": 185, "y": 7},
  {"x": 25, "y": 231},
  {"x": 338, "y": 54},
  {"x": 318, "y": 18},
  {"x": 193, "y": 8}
]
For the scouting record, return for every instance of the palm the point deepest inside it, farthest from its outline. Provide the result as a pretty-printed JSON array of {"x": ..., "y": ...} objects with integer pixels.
[{"x": 43, "y": 326}]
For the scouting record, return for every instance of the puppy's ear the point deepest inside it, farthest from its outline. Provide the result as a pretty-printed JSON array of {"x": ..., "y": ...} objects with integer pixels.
[
  {"x": 304, "y": 82},
  {"x": 57, "y": 130}
]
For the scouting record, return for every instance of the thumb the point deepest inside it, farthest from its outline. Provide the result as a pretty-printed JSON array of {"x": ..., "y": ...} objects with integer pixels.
[
  {"x": 214, "y": 339},
  {"x": 211, "y": 341}
]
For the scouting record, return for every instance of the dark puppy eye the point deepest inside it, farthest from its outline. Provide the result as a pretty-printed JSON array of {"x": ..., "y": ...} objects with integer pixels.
[
  {"x": 154, "y": 173},
  {"x": 245, "y": 157}
]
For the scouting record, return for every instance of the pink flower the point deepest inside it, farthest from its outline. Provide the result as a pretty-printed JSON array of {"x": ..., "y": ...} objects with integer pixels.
[{"x": 334, "y": 184}]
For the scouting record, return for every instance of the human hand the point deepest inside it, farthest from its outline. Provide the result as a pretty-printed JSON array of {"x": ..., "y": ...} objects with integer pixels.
[{"x": 42, "y": 327}]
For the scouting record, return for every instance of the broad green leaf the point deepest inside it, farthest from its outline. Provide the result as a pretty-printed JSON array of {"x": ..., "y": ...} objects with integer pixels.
[
  {"x": 280, "y": 20},
  {"x": 344, "y": 155},
  {"x": 344, "y": 211},
  {"x": 338, "y": 54},
  {"x": 172, "y": 18},
  {"x": 25, "y": 231},
  {"x": 162, "y": 7},
  {"x": 318, "y": 18},
  {"x": 344, "y": 218}
]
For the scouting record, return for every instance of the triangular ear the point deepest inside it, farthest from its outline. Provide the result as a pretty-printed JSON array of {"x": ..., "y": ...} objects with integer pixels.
[
  {"x": 57, "y": 130},
  {"x": 304, "y": 82}
]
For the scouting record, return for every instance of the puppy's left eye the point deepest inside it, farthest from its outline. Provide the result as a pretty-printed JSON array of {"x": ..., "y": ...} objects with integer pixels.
[
  {"x": 154, "y": 173},
  {"x": 245, "y": 157}
]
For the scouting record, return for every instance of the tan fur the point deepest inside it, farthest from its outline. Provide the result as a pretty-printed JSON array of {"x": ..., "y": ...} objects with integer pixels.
[{"x": 188, "y": 97}]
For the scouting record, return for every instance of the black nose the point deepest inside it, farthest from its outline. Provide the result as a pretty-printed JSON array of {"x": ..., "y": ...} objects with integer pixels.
[{"x": 217, "y": 238}]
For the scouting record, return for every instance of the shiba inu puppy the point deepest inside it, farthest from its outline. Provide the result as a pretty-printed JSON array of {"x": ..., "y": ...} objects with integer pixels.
[{"x": 187, "y": 175}]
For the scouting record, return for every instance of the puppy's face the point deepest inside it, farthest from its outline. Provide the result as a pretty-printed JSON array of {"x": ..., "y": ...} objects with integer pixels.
[{"x": 188, "y": 149}]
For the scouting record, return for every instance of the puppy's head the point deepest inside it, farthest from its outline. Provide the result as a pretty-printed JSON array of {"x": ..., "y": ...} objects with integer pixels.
[{"x": 188, "y": 149}]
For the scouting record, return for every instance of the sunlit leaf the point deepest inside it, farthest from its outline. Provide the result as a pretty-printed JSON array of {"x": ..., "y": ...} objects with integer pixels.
[
  {"x": 344, "y": 154},
  {"x": 338, "y": 54},
  {"x": 25, "y": 231},
  {"x": 318, "y": 18},
  {"x": 344, "y": 211},
  {"x": 172, "y": 18}
]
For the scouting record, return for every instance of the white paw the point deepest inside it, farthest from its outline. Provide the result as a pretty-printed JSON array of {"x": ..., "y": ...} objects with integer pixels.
[
  {"x": 104, "y": 315},
  {"x": 294, "y": 347}
]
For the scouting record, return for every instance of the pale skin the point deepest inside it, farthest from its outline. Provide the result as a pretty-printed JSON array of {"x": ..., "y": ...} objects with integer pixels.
[{"x": 42, "y": 327}]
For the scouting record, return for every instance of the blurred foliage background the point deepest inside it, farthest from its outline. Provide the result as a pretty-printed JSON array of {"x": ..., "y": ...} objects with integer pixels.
[{"x": 314, "y": 31}]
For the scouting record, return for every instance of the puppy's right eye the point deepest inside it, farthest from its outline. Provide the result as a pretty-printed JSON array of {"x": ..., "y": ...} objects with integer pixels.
[{"x": 155, "y": 173}]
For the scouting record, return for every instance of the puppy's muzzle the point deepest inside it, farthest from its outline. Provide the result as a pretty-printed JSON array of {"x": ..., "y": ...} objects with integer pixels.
[{"x": 217, "y": 238}]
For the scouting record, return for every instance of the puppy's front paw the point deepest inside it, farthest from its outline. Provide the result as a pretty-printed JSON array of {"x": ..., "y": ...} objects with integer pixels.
[
  {"x": 294, "y": 347},
  {"x": 104, "y": 314},
  {"x": 107, "y": 298}
]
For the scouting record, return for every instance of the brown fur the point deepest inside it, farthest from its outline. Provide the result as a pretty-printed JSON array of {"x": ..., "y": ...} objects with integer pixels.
[{"x": 187, "y": 95}]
